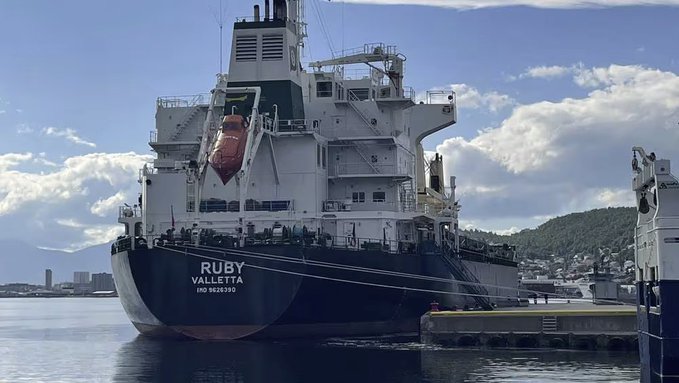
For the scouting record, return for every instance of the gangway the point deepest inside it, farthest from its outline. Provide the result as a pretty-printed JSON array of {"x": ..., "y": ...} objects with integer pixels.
[{"x": 473, "y": 286}]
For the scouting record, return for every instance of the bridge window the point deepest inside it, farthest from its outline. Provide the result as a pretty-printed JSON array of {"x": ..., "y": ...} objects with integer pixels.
[
  {"x": 324, "y": 89},
  {"x": 379, "y": 197},
  {"x": 358, "y": 197}
]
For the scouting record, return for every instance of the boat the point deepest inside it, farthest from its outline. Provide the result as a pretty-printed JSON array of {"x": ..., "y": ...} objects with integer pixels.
[
  {"x": 299, "y": 202},
  {"x": 227, "y": 156}
]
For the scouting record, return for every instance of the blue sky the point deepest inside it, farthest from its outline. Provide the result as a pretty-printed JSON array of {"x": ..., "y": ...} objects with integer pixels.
[{"x": 550, "y": 99}]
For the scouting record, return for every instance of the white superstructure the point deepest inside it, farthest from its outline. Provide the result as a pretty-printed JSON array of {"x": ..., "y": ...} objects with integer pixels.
[
  {"x": 657, "y": 231},
  {"x": 333, "y": 149}
]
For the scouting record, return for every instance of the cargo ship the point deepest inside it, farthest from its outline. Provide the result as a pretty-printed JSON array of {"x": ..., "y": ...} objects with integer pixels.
[{"x": 299, "y": 202}]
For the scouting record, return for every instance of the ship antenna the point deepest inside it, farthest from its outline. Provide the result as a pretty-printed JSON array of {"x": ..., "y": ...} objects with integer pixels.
[
  {"x": 221, "y": 37},
  {"x": 220, "y": 22}
]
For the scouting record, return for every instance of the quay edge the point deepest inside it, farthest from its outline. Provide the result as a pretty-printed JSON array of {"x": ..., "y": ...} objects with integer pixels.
[{"x": 573, "y": 326}]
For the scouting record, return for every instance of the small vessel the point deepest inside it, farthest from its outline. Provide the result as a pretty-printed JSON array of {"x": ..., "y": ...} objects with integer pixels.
[
  {"x": 293, "y": 202},
  {"x": 227, "y": 156}
]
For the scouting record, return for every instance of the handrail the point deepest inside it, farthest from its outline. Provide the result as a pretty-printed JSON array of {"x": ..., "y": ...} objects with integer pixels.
[
  {"x": 361, "y": 167},
  {"x": 369, "y": 48},
  {"x": 183, "y": 101},
  {"x": 129, "y": 212},
  {"x": 460, "y": 271},
  {"x": 300, "y": 125},
  {"x": 436, "y": 94}
]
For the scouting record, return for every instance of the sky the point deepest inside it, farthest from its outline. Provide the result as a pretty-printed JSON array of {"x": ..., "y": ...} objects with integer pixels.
[{"x": 552, "y": 95}]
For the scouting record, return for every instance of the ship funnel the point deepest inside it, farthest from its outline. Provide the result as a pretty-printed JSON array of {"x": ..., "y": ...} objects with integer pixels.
[
  {"x": 256, "y": 12},
  {"x": 267, "y": 10},
  {"x": 280, "y": 9}
]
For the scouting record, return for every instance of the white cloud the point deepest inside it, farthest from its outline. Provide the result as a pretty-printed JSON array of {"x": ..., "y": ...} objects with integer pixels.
[
  {"x": 547, "y": 72},
  {"x": 509, "y": 231},
  {"x": 69, "y": 134},
  {"x": 3, "y": 111},
  {"x": 539, "y": 135},
  {"x": 24, "y": 129},
  {"x": 552, "y": 158},
  {"x": 608, "y": 197},
  {"x": 108, "y": 205},
  {"x": 554, "y": 4},
  {"x": 68, "y": 195},
  {"x": 10, "y": 160},
  {"x": 68, "y": 182},
  {"x": 92, "y": 235}
]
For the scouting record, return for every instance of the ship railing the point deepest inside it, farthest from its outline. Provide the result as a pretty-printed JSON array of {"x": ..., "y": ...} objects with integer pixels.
[
  {"x": 351, "y": 242},
  {"x": 356, "y": 74},
  {"x": 147, "y": 169},
  {"x": 127, "y": 211},
  {"x": 409, "y": 204},
  {"x": 473, "y": 245},
  {"x": 268, "y": 123},
  {"x": 252, "y": 18},
  {"x": 183, "y": 101},
  {"x": 153, "y": 136},
  {"x": 291, "y": 126},
  {"x": 369, "y": 48},
  {"x": 350, "y": 205},
  {"x": 432, "y": 208},
  {"x": 385, "y": 93},
  {"x": 337, "y": 205},
  {"x": 356, "y": 168},
  {"x": 409, "y": 93},
  {"x": 222, "y": 206},
  {"x": 440, "y": 96}
]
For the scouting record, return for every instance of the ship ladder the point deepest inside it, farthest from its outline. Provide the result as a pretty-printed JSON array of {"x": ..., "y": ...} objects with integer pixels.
[{"x": 463, "y": 274}]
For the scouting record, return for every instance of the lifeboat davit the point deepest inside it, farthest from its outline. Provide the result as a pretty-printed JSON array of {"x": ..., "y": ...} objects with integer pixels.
[{"x": 227, "y": 156}]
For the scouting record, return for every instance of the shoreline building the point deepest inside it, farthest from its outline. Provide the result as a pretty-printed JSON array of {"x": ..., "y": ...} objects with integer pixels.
[
  {"x": 102, "y": 282},
  {"x": 48, "y": 279},
  {"x": 81, "y": 282}
]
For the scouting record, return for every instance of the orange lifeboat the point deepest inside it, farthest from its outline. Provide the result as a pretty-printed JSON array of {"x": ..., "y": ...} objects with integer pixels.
[{"x": 227, "y": 156}]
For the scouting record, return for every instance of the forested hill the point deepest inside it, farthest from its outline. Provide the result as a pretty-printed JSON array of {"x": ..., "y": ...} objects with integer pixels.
[{"x": 574, "y": 233}]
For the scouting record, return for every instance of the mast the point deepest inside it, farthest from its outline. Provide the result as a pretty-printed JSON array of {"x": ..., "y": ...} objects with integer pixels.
[{"x": 221, "y": 38}]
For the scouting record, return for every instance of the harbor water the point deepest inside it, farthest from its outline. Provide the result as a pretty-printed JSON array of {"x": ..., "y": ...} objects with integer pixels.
[{"x": 91, "y": 340}]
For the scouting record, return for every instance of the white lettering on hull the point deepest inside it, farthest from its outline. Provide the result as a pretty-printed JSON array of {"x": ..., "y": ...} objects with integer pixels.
[
  {"x": 221, "y": 280},
  {"x": 221, "y": 276}
]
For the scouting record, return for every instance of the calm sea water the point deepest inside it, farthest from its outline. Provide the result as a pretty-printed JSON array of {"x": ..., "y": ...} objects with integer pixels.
[{"x": 91, "y": 340}]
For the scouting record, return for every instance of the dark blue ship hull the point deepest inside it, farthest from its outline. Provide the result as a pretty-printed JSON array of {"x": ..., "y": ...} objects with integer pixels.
[
  {"x": 287, "y": 290},
  {"x": 658, "y": 331}
]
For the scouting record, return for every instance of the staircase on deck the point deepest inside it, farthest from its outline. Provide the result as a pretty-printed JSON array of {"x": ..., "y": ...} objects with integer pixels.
[{"x": 463, "y": 274}]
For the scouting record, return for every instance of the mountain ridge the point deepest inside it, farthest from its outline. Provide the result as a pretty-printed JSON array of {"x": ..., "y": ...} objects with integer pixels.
[{"x": 581, "y": 232}]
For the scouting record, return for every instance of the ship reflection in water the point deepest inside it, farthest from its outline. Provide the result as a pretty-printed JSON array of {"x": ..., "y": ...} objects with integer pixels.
[{"x": 150, "y": 360}]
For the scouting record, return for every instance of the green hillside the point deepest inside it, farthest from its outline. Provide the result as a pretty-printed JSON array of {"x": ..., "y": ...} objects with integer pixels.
[{"x": 585, "y": 232}]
